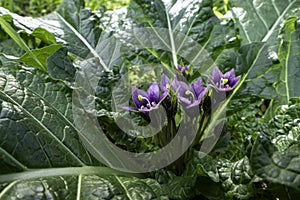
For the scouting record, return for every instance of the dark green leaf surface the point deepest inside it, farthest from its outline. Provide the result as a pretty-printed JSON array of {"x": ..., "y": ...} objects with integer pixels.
[
  {"x": 188, "y": 31},
  {"x": 235, "y": 177},
  {"x": 284, "y": 128},
  {"x": 60, "y": 66},
  {"x": 36, "y": 123},
  {"x": 288, "y": 55},
  {"x": 259, "y": 21},
  {"x": 80, "y": 27},
  {"x": 275, "y": 155},
  {"x": 275, "y": 166},
  {"x": 180, "y": 187},
  {"x": 254, "y": 60}
]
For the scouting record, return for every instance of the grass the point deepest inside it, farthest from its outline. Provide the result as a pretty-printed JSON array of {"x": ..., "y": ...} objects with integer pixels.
[{"x": 36, "y": 8}]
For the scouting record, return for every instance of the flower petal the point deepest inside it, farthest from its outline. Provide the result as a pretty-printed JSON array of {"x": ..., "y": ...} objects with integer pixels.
[
  {"x": 197, "y": 86},
  {"x": 179, "y": 67},
  {"x": 195, "y": 103},
  {"x": 135, "y": 97},
  {"x": 229, "y": 75},
  {"x": 153, "y": 92},
  {"x": 202, "y": 94},
  {"x": 182, "y": 88},
  {"x": 129, "y": 108},
  {"x": 175, "y": 84},
  {"x": 199, "y": 99},
  {"x": 164, "y": 82},
  {"x": 217, "y": 74},
  {"x": 234, "y": 81},
  {"x": 184, "y": 100}
]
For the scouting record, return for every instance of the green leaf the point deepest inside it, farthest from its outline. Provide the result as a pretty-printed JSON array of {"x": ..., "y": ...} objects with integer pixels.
[
  {"x": 180, "y": 187},
  {"x": 78, "y": 183},
  {"x": 15, "y": 36},
  {"x": 80, "y": 26},
  {"x": 189, "y": 32},
  {"x": 60, "y": 66},
  {"x": 275, "y": 155},
  {"x": 73, "y": 25},
  {"x": 275, "y": 166},
  {"x": 41, "y": 54},
  {"x": 259, "y": 21},
  {"x": 256, "y": 62},
  {"x": 13, "y": 49},
  {"x": 241, "y": 172},
  {"x": 44, "y": 35},
  {"x": 289, "y": 59},
  {"x": 283, "y": 129},
  {"x": 234, "y": 177},
  {"x": 210, "y": 189},
  {"x": 36, "y": 124},
  {"x": 243, "y": 119}
]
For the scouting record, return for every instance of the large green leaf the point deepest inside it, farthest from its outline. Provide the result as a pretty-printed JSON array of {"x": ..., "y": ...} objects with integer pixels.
[
  {"x": 81, "y": 30},
  {"x": 289, "y": 59},
  {"x": 233, "y": 177},
  {"x": 5, "y": 25},
  {"x": 275, "y": 166},
  {"x": 60, "y": 66},
  {"x": 260, "y": 21},
  {"x": 42, "y": 55},
  {"x": 78, "y": 183},
  {"x": 275, "y": 155},
  {"x": 36, "y": 122}
]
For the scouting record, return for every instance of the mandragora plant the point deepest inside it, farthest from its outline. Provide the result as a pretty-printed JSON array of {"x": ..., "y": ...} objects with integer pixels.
[{"x": 217, "y": 77}]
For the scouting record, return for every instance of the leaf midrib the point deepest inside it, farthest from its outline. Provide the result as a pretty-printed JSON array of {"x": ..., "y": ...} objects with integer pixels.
[
  {"x": 63, "y": 171},
  {"x": 124, "y": 188},
  {"x": 23, "y": 167},
  {"x": 279, "y": 19}
]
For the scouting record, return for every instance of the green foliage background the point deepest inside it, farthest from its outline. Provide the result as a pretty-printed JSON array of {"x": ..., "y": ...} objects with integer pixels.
[{"x": 42, "y": 7}]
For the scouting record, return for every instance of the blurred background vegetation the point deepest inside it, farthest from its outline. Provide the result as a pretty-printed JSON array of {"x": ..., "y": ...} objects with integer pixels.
[{"x": 37, "y": 8}]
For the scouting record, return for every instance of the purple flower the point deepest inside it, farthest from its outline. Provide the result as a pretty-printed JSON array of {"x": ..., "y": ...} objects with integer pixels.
[
  {"x": 183, "y": 70},
  {"x": 165, "y": 83},
  {"x": 147, "y": 101},
  {"x": 224, "y": 82},
  {"x": 190, "y": 95}
]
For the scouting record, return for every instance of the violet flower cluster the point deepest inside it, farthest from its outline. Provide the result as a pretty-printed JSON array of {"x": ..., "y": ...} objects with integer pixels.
[{"x": 190, "y": 95}]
